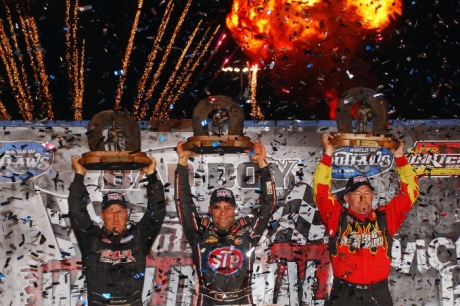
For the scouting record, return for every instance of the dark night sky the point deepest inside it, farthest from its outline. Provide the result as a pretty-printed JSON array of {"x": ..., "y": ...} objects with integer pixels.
[{"x": 414, "y": 62}]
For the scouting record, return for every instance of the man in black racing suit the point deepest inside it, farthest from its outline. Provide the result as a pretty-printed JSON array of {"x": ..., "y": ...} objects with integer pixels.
[
  {"x": 114, "y": 256},
  {"x": 223, "y": 247}
]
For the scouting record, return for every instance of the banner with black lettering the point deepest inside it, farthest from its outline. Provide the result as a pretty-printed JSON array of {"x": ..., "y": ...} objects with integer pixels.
[{"x": 42, "y": 263}]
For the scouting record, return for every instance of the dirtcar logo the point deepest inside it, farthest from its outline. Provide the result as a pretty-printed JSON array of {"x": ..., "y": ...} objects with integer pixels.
[
  {"x": 436, "y": 158},
  {"x": 225, "y": 260},
  {"x": 116, "y": 257}
]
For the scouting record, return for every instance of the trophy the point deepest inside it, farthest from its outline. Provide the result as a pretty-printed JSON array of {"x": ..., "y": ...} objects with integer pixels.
[
  {"x": 363, "y": 106},
  {"x": 211, "y": 117},
  {"x": 114, "y": 139}
]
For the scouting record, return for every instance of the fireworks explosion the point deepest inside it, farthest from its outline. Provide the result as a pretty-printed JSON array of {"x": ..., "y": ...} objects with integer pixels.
[
  {"x": 157, "y": 86},
  {"x": 157, "y": 59},
  {"x": 311, "y": 45}
]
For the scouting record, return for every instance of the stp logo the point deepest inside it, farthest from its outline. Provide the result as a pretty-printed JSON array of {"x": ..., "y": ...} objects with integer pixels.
[{"x": 225, "y": 260}]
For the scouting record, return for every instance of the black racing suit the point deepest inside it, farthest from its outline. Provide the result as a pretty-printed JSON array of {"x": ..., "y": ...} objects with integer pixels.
[
  {"x": 224, "y": 258},
  {"x": 114, "y": 264}
]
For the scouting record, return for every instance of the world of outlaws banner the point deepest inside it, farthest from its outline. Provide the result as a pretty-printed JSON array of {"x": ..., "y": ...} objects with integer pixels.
[{"x": 41, "y": 260}]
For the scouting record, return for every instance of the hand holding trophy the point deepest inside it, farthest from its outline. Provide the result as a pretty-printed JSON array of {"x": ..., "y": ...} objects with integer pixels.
[
  {"x": 363, "y": 106},
  {"x": 114, "y": 138},
  {"x": 211, "y": 118}
]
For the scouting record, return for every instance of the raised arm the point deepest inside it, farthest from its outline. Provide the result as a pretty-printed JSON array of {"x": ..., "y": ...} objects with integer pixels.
[
  {"x": 328, "y": 206},
  {"x": 150, "y": 225},
  {"x": 398, "y": 208},
  {"x": 188, "y": 215},
  {"x": 267, "y": 200},
  {"x": 78, "y": 200}
]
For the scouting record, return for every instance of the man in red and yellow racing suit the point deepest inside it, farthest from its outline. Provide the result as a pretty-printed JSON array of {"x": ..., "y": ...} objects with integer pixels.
[{"x": 360, "y": 237}]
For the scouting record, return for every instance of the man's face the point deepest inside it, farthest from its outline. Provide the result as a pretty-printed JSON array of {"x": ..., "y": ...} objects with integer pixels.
[
  {"x": 360, "y": 200},
  {"x": 114, "y": 217},
  {"x": 223, "y": 214}
]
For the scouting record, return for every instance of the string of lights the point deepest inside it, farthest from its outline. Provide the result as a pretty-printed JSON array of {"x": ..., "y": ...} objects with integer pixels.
[
  {"x": 23, "y": 76},
  {"x": 165, "y": 91},
  {"x": 43, "y": 86},
  {"x": 80, "y": 85},
  {"x": 178, "y": 82},
  {"x": 30, "y": 34},
  {"x": 6, "y": 54},
  {"x": 3, "y": 112},
  {"x": 226, "y": 60},
  {"x": 149, "y": 65},
  {"x": 74, "y": 59},
  {"x": 73, "y": 52},
  {"x": 70, "y": 40},
  {"x": 191, "y": 71},
  {"x": 256, "y": 112},
  {"x": 167, "y": 52},
  {"x": 125, "y": 63}
]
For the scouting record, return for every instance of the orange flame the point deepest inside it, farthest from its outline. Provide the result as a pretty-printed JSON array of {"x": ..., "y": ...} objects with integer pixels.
[
  {"x": 313, "y": 45},
  {"x": 333, "y": 99},
  {"x": 261, "y": 27},
  {"x": 376, "y": 14}
]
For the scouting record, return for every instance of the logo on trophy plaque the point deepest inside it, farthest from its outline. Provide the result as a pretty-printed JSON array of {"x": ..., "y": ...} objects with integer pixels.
[
  {"x": 365, "y": 107},
  {"x": 218, "y": 127},
  {"x": 114, "y": 139}
]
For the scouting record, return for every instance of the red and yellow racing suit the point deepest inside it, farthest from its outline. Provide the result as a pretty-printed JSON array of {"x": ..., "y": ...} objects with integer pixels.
[{"x": 360, "y": 245}]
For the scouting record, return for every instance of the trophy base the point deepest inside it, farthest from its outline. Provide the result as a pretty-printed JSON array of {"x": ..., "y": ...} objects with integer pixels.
[
  {"x": 231, "y": 144},
  {"x": 114, "y": 160},
  {"x": 364, "y": 140}
]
